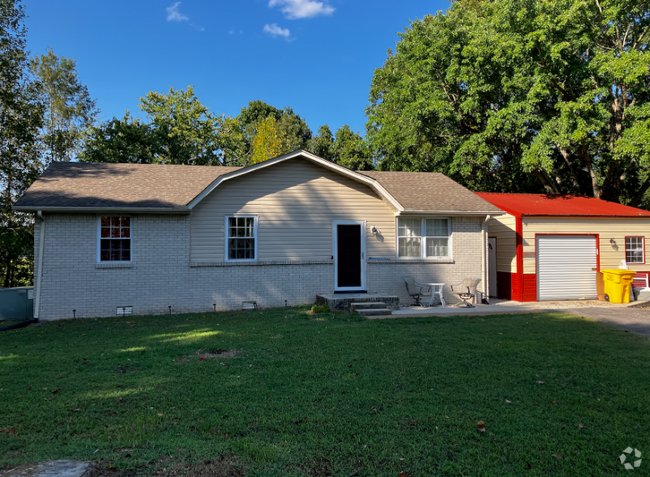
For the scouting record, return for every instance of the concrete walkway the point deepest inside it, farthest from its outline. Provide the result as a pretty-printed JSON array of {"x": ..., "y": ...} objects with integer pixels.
[
  {"x": 631, "y": 319},
  {"x": 628, "y": 316},
  {"x": 51, "y": 468}
]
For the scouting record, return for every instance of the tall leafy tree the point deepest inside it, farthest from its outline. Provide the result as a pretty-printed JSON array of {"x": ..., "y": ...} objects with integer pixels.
[
  {"x": 20, "y": 119},
  {"x": 269, "y": 142},
  {"x": 186, "y": 131},
  {"x": 521, "y": 95},
  {"x": 351, "y": 151},
  {"x": 121, "y": 140},
  {"x": 178, "y": 129},
  {"x": 238, "y": 133},
  {"x": 322, "y": 144},
  {"x": 69, "y": 109}
]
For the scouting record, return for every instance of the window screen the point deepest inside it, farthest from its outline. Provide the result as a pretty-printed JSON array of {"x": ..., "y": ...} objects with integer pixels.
[
  {"x": 115, "y": 239},
  {"x": 241, "y": 238},
  {"x": 634, "y": 250}
]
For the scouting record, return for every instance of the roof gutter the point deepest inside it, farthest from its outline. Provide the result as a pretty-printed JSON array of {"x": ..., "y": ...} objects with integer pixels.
[
  {"x": 39, "y": 275},
  {"x": 122, "y": 210}
]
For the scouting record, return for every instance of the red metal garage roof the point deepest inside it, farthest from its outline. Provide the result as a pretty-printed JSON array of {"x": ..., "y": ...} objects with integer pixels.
[{"x": 559, "y": 205}]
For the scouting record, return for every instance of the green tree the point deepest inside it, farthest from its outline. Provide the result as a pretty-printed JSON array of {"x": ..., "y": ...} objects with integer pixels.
[
  {"x": 322, "y": 144},
  {"x": 121, "y": 140},
  {"x": 178, "y": 129},
  {"x": 269, "y": 142},
  {"x": 237, "y": 139},
  {"x": 351, "y": 151},
  {"x": 186, "y": 131},
  {"x": 522, "y": 96},
  {"x": 69, "y": 109},
  {"x": 20, "y": 120}
]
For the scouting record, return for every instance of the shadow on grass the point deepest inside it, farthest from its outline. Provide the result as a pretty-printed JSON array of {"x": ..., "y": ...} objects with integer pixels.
[{"x": 328, "y": 394}]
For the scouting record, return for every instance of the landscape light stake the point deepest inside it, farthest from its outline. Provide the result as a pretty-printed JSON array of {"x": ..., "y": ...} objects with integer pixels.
[
  {"x": 214, "y": 305},
  {"x": 170, "y": 309},
  {"x": 74, "y": 314}
]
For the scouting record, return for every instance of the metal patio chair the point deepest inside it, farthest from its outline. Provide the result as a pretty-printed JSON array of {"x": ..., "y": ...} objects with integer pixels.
[
  {"x": 416, "y": 290},
  {"x": 466, "y": 291}
]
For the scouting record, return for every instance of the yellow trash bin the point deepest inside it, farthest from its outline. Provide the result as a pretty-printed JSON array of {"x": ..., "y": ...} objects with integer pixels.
[{"x": 617, "y": 285}]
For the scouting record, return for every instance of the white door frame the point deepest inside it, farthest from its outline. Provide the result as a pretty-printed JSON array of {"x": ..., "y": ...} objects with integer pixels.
[
  {"x": 335, "y": 252},
  {"x": 492, "y": 267}
]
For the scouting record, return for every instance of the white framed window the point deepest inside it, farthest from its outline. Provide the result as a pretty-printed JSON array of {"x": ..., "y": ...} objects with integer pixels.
[
  {"x": 114, "y": 239},
  {"x": 423, "y": 237},
  {"x": 634, "y": 250},
  {"x": 241, "y": 238}
]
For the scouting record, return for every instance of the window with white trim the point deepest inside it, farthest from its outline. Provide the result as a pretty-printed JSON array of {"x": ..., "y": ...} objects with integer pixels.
[
  {"x": 422, "y": 237},
  {"x": 634, "y": 250},
  {"x": 241, "y": 238},
  {"x": 114, "y": 239}
]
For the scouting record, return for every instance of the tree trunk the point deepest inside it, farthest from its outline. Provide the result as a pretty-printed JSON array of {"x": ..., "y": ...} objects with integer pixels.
[
  {"x": 640, "y": 193},
  {"x": 8, "y": 267}
]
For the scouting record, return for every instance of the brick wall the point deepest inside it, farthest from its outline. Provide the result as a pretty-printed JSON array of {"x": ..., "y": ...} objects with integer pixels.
[
  {"x": 385, "y": 277},
  {"x": 160, "y": 273}
]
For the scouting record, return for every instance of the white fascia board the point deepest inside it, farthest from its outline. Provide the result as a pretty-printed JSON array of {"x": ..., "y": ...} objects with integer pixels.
[{"x": 372, "y": 183}]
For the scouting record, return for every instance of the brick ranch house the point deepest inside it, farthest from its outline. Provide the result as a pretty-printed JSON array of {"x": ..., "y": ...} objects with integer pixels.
[{"x": 110, "y": 236}]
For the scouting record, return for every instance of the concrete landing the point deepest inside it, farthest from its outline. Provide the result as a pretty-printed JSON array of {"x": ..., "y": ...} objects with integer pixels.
[
  {"x": 51, "y": 468},
  {"x": 344, "y": 301}
]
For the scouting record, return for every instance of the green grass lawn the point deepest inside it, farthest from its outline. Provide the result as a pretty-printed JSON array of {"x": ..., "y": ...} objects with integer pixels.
[{"x": 329, "y": 394}]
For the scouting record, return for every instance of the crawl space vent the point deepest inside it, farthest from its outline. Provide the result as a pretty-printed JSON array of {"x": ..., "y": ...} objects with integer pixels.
[
  {"x": 124, "y": 310},
  {"x": 249, "y": 305}
]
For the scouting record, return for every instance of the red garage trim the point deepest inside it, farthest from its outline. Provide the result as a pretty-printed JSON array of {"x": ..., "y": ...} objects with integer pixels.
[
  {"x": 596, "y": 236},
  {"x": 530, "y": 287},
  {"x": 625, "y": 249}
]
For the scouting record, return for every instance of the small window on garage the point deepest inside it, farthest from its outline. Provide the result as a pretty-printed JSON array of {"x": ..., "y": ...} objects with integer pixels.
[{"x": 634, "y": 250}]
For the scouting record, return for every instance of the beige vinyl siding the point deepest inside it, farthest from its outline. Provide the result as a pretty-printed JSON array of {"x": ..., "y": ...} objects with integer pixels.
[
  {"x": 295, "y": 202},
  {"x": 504, "y": 229},
  {"x": 607, "y": 228}
]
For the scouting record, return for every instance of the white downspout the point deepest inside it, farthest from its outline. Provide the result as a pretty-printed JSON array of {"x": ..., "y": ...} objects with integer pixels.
[
  {"x": 484, "y": 258},
  {"x": 39, "y": 275}
]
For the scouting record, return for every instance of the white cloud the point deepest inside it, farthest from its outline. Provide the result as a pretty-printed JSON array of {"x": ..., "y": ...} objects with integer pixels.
[
  {"x": 274, "y": 30},
  {"x": 294, "y": 9},
  {"x": 173, "y": 15}
]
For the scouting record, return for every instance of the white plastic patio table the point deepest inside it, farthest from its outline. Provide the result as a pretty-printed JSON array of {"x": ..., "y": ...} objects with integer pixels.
[{"x": 437, "y": 290}]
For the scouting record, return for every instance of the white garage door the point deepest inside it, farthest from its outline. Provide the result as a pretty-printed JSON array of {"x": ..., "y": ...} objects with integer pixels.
[{"x": 566, "y": 267}]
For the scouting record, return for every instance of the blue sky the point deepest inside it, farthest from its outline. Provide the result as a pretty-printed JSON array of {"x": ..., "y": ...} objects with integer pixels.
[{"x": 317, "y": 57}]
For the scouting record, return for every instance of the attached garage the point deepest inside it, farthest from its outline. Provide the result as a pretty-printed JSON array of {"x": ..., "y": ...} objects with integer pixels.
[
  {"x": 566, "y": 266},
  {"x": 553, "y": 247}
]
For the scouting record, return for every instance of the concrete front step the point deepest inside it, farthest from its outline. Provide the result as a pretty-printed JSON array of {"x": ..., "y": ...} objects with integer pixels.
[
  {"x": 343, "y": 301},
  {"x": 367, "y": 305},
  {"x": 375, "y": 311}
]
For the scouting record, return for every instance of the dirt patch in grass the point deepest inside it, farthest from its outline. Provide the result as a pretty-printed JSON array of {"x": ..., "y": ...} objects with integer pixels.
[
  {"x": 220, "y": 353},
  {"x": 216, "y": 353},
  {"x": 225, "y": 466},
  {"x": 125, "y": 368}
]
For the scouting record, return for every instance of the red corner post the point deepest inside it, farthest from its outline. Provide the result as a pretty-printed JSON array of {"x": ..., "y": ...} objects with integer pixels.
[{"x": 520, "y": 258}]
